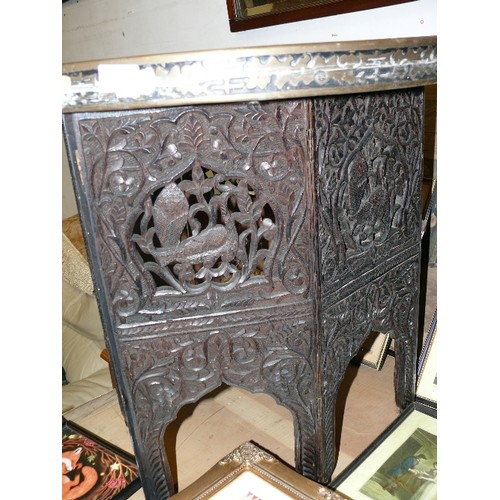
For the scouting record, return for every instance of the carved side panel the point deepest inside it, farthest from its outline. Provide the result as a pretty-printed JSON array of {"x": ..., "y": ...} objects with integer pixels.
[
  {"x": 272, "y": 355},
  {"x": 369, "y": 156},
  {"x": 202, "y": 223},
  {"x": 199, "y": 209},
  {"x": 388, "y": 304},
  {"x": 369, "y": 164}
]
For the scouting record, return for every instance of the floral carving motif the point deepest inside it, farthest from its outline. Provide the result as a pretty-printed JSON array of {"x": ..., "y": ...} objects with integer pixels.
[
  {"x": 232, "y": 247},
  {"x": 224, "y": 236},
  {"x": 369, "y": 152},
  {"x": 191, "y": 201},
  {"x": 270, "y": 356}
]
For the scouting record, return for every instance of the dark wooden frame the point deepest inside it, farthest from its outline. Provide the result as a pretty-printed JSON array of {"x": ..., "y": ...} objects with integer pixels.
[
  {"x": 238, "y": 21},
  {"x": 133, "y": 486},
  {"x": 375, "y": 445}
]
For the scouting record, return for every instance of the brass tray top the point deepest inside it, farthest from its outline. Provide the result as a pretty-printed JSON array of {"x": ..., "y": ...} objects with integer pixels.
[{"x": 249, "y": 74}]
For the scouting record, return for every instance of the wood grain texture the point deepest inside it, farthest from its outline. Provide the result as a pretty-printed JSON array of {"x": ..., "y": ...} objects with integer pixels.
[{"x": 288, "y": 248}]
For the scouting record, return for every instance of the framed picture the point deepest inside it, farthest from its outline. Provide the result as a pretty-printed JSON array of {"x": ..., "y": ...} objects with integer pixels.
[
  {"x": 401, "y": 464},
  {"x": 93, "y": 468},
  {"x": 252, "y": 473},
  {"x": 250, "y": 14},
  {"x": 374, "y": 350},
  {"x": 427, "y": 367}
]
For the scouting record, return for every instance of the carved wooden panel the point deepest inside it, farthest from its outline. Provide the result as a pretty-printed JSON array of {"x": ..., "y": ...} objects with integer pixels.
[
  {"x": 202, "y": 225},
  {"x": 369, "y": 167},
  {"x": 369, "y": 155},
  {"x": 254, "y": 244},
  {"x": 207, "y": 203}
]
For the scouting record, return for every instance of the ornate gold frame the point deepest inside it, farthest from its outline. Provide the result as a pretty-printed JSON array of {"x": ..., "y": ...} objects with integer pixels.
[{"x": 250, "y": 458}]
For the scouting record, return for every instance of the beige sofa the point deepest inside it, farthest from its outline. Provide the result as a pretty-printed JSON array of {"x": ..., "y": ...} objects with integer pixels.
[{"x": 87, "y": 374}]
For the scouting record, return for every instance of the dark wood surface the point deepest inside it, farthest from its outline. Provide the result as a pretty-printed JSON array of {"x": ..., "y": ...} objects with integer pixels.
[{"x": 255, "y": 245}]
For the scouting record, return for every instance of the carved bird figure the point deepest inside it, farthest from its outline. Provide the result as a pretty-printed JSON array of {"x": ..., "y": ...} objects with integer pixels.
[{"x": 170, "y": 215}]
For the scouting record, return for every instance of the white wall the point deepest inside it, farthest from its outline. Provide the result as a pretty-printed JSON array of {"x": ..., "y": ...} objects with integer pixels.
[{"x": 97, "y": 29}]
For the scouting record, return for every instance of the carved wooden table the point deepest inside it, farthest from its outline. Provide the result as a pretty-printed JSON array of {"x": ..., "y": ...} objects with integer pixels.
[{"x": 250, "y": 216}]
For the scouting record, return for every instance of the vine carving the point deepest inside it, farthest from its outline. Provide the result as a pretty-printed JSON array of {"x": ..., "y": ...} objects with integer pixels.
[
  {"x": 256, "y": 245},
  {"x": 194, "y": 202}
]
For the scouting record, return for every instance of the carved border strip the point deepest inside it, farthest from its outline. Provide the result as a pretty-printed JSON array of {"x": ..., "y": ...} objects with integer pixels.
[
  {"x": 209, "y": 322},
  {"x": 338, "y": 294},
  {"x": 262, "y": 73}
]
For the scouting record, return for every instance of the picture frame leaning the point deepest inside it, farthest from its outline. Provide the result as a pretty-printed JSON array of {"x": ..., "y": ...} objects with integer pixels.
[
  {"x": 251, "y": 472},
  {"x": 426, "y": 392},
  {"x": 94, "y": 468},
  {"x": 400, "y": 463},
  {"x": 374, "y": 350}
]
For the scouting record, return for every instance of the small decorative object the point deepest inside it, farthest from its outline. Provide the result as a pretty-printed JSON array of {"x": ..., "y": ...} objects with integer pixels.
[
  {"x": 93, "y": 468},
  {"x": 250, "y": 472},
  {"x": 401, "y": 463},
  {"x": 250, "y": 14}
]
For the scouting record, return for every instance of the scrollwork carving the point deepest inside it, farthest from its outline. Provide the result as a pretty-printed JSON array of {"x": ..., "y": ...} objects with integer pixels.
[
  {"x": 195, "y": 202},
  {"x": 271, "y": 357},
  {"x": 256, "y": 245},
  {"x": 369, "y": 150}
]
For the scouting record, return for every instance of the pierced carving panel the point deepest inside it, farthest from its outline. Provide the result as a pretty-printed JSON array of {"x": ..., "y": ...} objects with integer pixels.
[
  {"x": 369, "y": 153},
  {"x": 192, "y": 204}
]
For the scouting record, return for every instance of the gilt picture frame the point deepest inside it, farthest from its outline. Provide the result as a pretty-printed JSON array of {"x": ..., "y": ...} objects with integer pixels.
[
  {"x": 251, "y": 472},
  {"x": 251, "y": 14},
  {"x": 400, "y": 464},
  {"x": 94, "y": 468}
]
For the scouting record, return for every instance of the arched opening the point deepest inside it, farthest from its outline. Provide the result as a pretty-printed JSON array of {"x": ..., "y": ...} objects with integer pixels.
[
  {"x": 206, "y": 431},
  {"x": 366, "y": 402}
]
